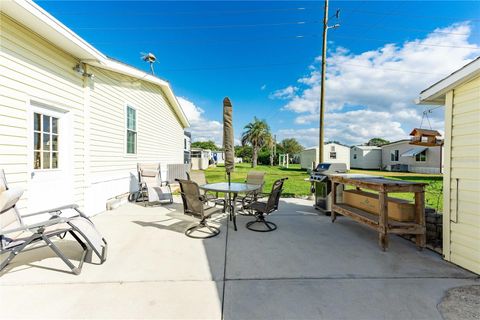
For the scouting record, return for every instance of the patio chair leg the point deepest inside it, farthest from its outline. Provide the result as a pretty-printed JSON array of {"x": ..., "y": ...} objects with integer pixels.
[
  {"x": 75, "y": 269},
  {"x": 203, "y": 224},
  {"x": 16, "y": 251},
  {"x": 261, "y": 219}
]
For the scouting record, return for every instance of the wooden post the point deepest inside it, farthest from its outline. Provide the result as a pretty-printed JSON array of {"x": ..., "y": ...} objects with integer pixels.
[
  {"x": 420, "y": 239},
  {"x": 334, "y": 200},
  {"x": 383, "y": 220}
]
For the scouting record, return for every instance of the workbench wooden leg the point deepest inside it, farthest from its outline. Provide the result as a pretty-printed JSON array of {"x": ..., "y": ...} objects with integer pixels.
[
  {"x": 420, "y": 239},
  {"x": 383, "y": 220},
  {"x": 334, "y": 201}
]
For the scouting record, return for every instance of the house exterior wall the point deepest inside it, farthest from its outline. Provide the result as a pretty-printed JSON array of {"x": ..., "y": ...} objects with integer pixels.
[
  {"x": 431, "y": 165},
  {"x": 308, "y": 156},
  {"x": 35, "y": 72},
  {"x": 160, "y": 135},
  {"x": 366, "y": 158},
  {"x": 461, "y": 218},
  {"x": 32, "y": 70}
]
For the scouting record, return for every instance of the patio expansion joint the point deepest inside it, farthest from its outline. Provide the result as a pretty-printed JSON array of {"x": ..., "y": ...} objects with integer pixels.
[{"x": 475, "y": 278}]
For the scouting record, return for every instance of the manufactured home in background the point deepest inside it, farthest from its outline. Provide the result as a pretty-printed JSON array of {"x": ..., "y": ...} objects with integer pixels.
[
  {"x": 460, "y": 94},
  {"x": 332, "y": 153},
  {"x": 405, "y": 157},
  {"x": 366, "y": 157},
  {"x": 73, "y": 122}
]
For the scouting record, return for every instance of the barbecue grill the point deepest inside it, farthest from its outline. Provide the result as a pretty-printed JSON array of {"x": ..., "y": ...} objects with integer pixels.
[{"x": 321, "y": 185}]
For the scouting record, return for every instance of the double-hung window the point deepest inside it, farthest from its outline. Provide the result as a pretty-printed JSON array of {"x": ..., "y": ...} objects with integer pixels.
[
  {"x": 45, "y": 142},
  {"x": 131, "y": 128},
  {"x": 394, "y": 156}
]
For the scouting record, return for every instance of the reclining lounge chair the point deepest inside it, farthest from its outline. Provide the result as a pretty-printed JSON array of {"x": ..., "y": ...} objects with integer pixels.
[
  {"x": 151, "y": 186},
  {"x": 17, "y": 236}
]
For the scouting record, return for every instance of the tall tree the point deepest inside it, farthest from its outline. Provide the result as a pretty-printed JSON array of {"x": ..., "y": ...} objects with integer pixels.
[
  {"x": 256, "y": 134},
  {"x": 205, "y": 145},
  {"x": 291, "y": 146},
  {"x": 378, "y": 142}
]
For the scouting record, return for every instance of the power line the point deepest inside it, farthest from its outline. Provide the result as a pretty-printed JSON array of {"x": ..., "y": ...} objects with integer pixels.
[
  {"x": 196, "y": 40},
  {"x": 202, "y": 27},
  {"x": 281, "y": 64},
  {"x": 408, "y": 29},
  {"x": 160, "y": 13},
  {"x": 264, "y": 39},
  {"x": 402, "y": 14},
  {"x": 410, "y": 42}
]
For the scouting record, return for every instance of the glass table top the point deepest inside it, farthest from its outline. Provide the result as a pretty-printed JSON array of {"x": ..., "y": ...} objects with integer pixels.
[{"x": 234, "y": 187}]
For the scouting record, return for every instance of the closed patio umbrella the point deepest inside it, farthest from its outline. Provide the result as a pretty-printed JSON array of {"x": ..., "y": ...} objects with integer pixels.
[{"x": 228, "y": 143}]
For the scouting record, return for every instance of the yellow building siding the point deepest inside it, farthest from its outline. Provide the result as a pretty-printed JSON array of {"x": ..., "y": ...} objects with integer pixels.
[
  {"x": 462, "y": 218},
  {"x": 159, "y": 132},
  {"x": 33, "y": 69}
]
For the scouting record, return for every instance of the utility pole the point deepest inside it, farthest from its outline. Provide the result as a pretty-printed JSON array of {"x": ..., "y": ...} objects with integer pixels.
[
  {"x": 322, "y": 85},
  {"x": 274, "y": 147}
]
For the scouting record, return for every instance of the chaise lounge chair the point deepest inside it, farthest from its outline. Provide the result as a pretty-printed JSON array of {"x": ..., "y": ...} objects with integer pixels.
[
  {"x": 151, "y": 186},
  {"x": 17, "y": 236}
]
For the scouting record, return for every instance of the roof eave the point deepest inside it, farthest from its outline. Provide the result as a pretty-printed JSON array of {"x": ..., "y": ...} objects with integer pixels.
[{"x": 435, "y": 94}]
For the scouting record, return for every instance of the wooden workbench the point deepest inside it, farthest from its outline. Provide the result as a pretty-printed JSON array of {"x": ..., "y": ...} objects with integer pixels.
[{"x": 381, "y": 222}]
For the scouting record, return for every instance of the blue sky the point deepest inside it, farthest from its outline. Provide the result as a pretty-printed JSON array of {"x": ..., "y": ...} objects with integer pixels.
[{"x": 264, "y": 56}]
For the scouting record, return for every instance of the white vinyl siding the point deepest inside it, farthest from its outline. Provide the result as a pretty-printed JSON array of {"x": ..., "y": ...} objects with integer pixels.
[
  {"x": 462, "y": 220},
  {"x": 33, "y": 69}
]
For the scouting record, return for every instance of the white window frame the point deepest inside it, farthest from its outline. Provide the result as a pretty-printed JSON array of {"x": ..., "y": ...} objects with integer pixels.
[
  {"x": 131, "y": 106},
  {"x": 395, "y": 154}
]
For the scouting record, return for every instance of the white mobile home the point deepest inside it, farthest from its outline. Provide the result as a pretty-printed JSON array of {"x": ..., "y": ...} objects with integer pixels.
[
  {"x": 332, "y": 153},
  {"x": 74, "y": 123},
  {"x": 460, "y": 94},
  {"x": 366, "y": 157},
  {"x": 403, "y": 156}
]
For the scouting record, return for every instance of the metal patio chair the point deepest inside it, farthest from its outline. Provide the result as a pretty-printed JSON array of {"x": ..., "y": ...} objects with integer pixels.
[
  {"x": 151, "y": 186},
  {"x": 194, "y": 205},
  {"x": 17, "y": 236},
  {"x": 261, "y": 209},
  {"x": 256, "y": 178},
  {"x": 200, "y": 179}
]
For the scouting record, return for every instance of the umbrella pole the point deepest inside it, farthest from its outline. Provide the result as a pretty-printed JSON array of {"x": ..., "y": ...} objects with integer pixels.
[{"x": 228, "y": 175}]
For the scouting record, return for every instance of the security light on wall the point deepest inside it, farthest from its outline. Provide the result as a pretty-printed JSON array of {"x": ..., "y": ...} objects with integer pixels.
[{"x": 79, "y": 69}]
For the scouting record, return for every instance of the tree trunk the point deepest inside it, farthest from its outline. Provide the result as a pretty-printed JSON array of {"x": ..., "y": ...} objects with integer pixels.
[{"x": 254, "y": 156}]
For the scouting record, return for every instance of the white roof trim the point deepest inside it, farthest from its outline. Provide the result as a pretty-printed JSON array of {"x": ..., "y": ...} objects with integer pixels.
[
  {"x": 44, "y": 24},
  {"x": 436, "y": 93}
]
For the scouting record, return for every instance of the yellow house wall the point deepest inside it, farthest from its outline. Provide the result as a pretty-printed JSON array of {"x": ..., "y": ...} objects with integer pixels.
[{"x": 462, "y": 176}]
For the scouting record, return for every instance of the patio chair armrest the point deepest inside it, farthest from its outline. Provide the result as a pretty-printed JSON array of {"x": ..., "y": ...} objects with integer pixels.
[
  {"x": 37, "y": 225},
  {"x": 164, "y": 184},
  {"x": 54, "y": 211}
]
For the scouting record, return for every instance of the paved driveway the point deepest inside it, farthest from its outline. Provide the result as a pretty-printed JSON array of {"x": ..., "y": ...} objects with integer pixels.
[{"x": 308, "y": 269}]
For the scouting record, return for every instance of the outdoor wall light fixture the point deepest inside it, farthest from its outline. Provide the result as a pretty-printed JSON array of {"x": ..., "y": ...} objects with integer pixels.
[{"x": 79, "y": 69}]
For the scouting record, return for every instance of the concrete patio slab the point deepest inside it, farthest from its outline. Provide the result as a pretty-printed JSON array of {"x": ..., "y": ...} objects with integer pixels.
[
  {"x": 310, "y": 245},
  {"x": 131, "y": 300},
  {"x": 308, "y": 269},
  {"x": 145, "y": 244},
  {"x": 364, "y": 299}
]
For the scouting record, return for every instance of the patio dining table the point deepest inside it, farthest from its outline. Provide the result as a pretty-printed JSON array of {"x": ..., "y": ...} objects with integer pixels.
[{"x": 231, "y": 191}]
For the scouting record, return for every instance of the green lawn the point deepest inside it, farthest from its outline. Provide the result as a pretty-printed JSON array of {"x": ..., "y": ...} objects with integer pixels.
[{"x": 296, "y": 186}]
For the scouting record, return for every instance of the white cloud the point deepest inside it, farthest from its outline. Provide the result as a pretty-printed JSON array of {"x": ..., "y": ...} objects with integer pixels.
[
  {"x": 382, "y": 83},
  {"x": 202, "y": 129},
  {"x": 263, "y": 87},
  {"x": 285, "y": 93}
]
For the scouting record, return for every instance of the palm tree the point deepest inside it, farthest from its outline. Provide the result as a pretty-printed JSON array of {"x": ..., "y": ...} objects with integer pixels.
[{"x": 256, "y": 134}]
